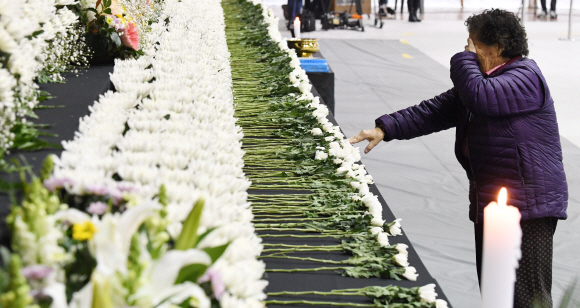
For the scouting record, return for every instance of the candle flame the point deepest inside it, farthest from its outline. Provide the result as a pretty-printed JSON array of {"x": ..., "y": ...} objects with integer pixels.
[
  {"x": 297, "y": 19},
  {"x": 502, "y": 198}
]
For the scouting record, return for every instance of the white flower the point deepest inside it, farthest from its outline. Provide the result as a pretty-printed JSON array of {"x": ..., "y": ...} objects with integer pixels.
[
  {"x": 369, "y": 199},
  {"x": 439, "y": 303},
  {"x": 427, "y": 293},
  {"x": 383, "y": 239},
  {"x": 402, "y": 248},
  {"x": 363, "y": 189},
  {"x": 320, "y": 155},
  {"x": 316, "y": 131},
  {"x": 401, "y": 259},
  {"x": 376, "y": 230},
  {"x": 377, "y": 222},
  {"x": 410, "y": 273},
  {"x": 327, "y": 126},
  {"x": 376, "y": 209},
  {"x": 395, "y": 229},
  {"x": 112, "y": 240},
  {"x": 162, "y": 290}
]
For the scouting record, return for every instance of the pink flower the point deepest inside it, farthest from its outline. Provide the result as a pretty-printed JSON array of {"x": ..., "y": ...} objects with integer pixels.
[
  {"x": 97, "y": 189},
  {"x": 127, "y": 187},
  {"x": 98, "y": 208},
  {"x": 217, "y": 285},
  {"x": 130, "y": 37},
  {"x": 53, "y": 183},
  {"x": 36, "y": 272},
  {"x": 116, "y": 195}
]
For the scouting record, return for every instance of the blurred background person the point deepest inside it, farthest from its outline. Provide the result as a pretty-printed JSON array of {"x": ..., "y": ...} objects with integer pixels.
[{"x": 544, "y": 13}]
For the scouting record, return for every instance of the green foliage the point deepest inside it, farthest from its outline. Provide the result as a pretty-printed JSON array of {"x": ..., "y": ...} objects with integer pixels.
[
  {"x": 78, "y": 273},
  {"x": 216, "y": 252},
  {"x": 27, "y": 138},
  {"x": 133, "y": 281},
  {"x": 191, "y": 272},
  {"x": 47, "y": 168},
  {"x": 14, "y": 289},
  {"x": 188, "y": 237}
]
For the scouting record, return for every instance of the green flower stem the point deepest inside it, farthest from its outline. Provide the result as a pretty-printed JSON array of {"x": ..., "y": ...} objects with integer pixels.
[
  {"x": 315, "y": 269},
  {"x": 284, "y": 225},
  {"x": 300, "y": 236},
  {"x": 272, "y": 203},
  {"x": 302, "y": 259},
  {"x": 281, "y": 207},
  {"x": 293, "y": 219},
  {"x": 266, "y": 215},
  {"x": 347, "y": 292},
  {"x": 301, "y": 249},
  {"x": 278, "y": 211},
  {"x": 299, "y": 229},
  {"x": 304, "y": 246},
  {"x": 313, "y": 303}
]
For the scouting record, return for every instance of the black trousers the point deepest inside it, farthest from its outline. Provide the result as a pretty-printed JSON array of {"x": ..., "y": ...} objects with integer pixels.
[
  {"x": 552, "y": 5},
  {"x": 413, "y": 6},
  {"x": 533, "y": 287}
]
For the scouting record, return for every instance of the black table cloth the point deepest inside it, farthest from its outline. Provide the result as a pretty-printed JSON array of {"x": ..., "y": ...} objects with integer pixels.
[
  {"x": 72, "y": 100},
  {"x": 324, "y": 84}
]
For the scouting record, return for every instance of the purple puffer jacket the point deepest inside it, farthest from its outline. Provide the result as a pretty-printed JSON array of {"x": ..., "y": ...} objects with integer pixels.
[{"x": 506, "y": 124}]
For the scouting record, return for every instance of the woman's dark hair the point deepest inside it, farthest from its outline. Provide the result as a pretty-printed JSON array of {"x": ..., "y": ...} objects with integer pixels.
[{"x": 499, "y": 27}]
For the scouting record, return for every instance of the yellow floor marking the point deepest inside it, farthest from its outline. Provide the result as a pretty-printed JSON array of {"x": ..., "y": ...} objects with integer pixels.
[
  {"x": 407, "y": 56},
  {"x": 404, "y": 41}
]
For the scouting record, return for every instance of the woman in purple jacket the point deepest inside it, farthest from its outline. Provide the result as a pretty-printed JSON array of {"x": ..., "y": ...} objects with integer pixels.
[{"x": 506, "y": 136}]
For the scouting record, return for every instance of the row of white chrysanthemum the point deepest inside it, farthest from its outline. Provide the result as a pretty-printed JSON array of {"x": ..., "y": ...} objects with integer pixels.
[
  {"x": 340, "y": 150},
  {"x": 26, "y": 28},
  {"x": 182, "y": 134},
  {"x": 345, "y": 155}
]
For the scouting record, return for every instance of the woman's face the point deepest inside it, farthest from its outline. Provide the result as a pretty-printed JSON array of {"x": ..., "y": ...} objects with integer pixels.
[{"x": 487, "y": 56}]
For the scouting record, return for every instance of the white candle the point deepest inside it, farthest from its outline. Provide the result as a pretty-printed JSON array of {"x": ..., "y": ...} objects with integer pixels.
[
  {"x": 297, "y": 28},
  {"x": 502, "y": 237}
]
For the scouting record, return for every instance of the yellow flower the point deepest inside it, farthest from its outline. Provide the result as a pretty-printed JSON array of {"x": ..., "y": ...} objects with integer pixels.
[
  {"x": 84, "y": 231},
  {"x": 109, "y": 20}
]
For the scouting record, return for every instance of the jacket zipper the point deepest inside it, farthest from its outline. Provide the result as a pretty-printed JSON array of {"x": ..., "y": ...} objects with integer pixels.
[{"x": 472, "y": 173}]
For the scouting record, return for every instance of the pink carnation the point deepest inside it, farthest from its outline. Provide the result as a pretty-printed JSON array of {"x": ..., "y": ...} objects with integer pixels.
[{"x": 130, "y": 37}]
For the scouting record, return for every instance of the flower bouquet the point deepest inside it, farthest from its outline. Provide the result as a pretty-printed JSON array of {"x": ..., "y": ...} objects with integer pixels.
[
  {"x": 113, "y": 252},
  {"x": 110, "y": 33}
]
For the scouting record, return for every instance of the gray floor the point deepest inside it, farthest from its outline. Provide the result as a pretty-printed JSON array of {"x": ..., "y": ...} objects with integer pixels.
[
  {"x": 383, "y": 70},
  {"x": 421, "y": 179}
]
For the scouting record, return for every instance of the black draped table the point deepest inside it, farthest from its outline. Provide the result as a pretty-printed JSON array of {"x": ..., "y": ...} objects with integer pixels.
[
  {"x": 324, "y": 84},
  {"x": 71, "y": 100},
  {"x": 79, "y": 92},
  {"x": 330, "y": 280}
]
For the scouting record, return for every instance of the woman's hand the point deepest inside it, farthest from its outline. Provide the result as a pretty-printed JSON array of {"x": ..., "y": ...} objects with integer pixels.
[{"x": 374, "y": 136}]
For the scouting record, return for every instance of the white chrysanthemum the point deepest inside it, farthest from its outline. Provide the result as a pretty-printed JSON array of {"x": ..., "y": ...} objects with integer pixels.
[
  {"x": 427, "y": 293},
  {"x": 411, "y": 273}
]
